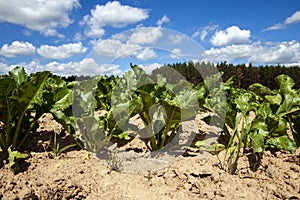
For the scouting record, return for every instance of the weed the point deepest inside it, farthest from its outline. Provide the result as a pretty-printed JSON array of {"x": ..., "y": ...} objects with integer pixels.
[
  {"x": 55, "y": 147},
  {"x": 114, "y": 161}
]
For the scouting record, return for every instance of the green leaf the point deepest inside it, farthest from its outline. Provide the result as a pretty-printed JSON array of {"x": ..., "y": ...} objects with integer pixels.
[
  {"x": 295, "y": 125},
  {"x": 259, "y": 89},
  {"x": 213, "y": 149},
  {"x": 274, "y": 99},
  {"x": 13, "y": 157},
  {"x": 276, "y": 125},
  {"x": 24, "y": 98},
  {"x": 91, "y": 134},
  {"x": 286, "y": 84},
  {"x": 30, "y": 93},
  {"x": 19, "y": 75},
  {"x": 242, "y": 103},
  {"x": 124, "y": 136},
  {"x": 282, "y": 143},
  {"x": 290, "y": 105},
  {"x": 258, "y": 134},
  {"x": 263, "y": 111}
]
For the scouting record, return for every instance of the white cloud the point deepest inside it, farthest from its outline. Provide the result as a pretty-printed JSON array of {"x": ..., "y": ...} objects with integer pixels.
[
  {"x": 123, "y": 37},
  {"x": 282, "y": 53},
  {"x": 204, "y": 32},
  {"x": 61, "y": 52},
  {"x": 163, "y": 20},
  {"x": 232, "y": 35},
  {"x": 4, "y": 68},
  {"x": 31, "y": 67},
  {"x": 277, "y": 26},
  {"x": 17, "y": 48},
  {"x": 146, "y": 54},
  {"x": 150, "y": 67},
  {"x": 53, "y": 32},
  {"x": 295, "y": 18},
  {"x": 112, "y": 14},
  {"x": 77, "y": 37},
  {"x": 87, "y": 66},
  {"x": 39, "y": 15},
  {"x": 115, "y": 48},
  {"x": 27, "y": 32},
  {"x": 145, "y": 35},
  {"x": 177, "y": 39},
  {"x": 285, "y": 53},
  {"x": 232, "y": 52},
  {"x": 176, "y": 53}
]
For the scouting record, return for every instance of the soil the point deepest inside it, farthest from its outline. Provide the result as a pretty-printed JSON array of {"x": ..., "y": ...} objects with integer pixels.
[{"x": 78, "y": 174}]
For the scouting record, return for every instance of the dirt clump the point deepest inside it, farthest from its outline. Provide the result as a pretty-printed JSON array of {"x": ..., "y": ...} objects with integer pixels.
[{"x": 76, "y": 175}]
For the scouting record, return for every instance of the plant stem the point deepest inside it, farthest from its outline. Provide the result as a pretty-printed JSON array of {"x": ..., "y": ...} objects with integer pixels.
[
  {"x": 146, "y": 119},
  {"x": 164, "y": 133},
  {"x": 8, "y": 126}
]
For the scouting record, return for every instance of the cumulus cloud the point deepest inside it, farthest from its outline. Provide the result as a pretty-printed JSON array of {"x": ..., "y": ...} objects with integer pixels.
[
  {"x": 78, "y": 37},
  {"x": 112, "y": 14},
  {"x": 232, "y": 35},
  {"x": 285, "y": 53},
  {"x": 4, "y": 68},
  {"x": 294, "y": 18},
  {"x": 232, "y": 52},
  {"x": 61, "y": 52},
  {"x": 277, "y": 26},
  {"x": 163, "y": 20},
  {"x": 177, "y": 39},
  {"x": 150, "y": 67},
  {"x": 202, "y": 33},
  {"x": 175, "y": 53},
  {"x": 115, "y": 48},
  {"x": 87, "y": 66},
  {"x": 17, "y": 48},
  {"x": 146, "y": 54},
  {"x": 145, "y": 35},
  {"x": 39, "y": 15}
]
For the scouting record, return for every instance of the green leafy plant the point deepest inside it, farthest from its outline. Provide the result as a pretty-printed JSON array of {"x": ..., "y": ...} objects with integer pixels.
[
  {"x": 161, "y": 106},
  {"x": 114, "y": 161},
  {"x": 56, "y": 147},
  {"x": 280, "y": 108},
  {"x": 20, "y": 96},
  {"x": 25, "y": 98},
  {"x": 14, "y": 157},
  {"x": 272, "y": 112}
]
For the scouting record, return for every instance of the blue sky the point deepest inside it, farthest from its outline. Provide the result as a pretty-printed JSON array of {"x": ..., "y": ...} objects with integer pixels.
[{"x": 102, "y": 37}]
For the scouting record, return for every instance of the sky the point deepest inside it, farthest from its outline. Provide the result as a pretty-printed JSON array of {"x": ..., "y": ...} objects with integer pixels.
[{"x": 95, "y": 37}]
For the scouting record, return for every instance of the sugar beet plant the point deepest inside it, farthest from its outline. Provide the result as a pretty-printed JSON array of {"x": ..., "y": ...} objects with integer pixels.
[
  {"x": 273, "y": 111},
  {"x": 24, "y": 99},
  {"x": 160, "y": 106}
]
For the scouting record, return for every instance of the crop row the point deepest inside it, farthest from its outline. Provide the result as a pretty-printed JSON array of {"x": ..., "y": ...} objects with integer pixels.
[{"x": 161, "y": 106}]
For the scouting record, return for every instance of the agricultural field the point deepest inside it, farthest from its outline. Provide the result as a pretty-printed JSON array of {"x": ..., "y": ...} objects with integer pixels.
[{"x": 141, "y": 137}]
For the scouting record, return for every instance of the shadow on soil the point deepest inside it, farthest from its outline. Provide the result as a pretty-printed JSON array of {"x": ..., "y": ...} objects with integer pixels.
[{"x": 41, "y": 142}]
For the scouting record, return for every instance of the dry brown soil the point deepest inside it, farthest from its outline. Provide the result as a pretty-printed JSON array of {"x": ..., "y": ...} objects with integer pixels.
[{"x": 75, "y": 175}]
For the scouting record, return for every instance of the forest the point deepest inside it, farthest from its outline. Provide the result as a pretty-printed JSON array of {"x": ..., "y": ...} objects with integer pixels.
[{"x": 243, "y": 75}]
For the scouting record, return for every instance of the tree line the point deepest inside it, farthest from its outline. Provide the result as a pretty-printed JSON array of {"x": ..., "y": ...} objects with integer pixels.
[{"x": 243, "y": 75}]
